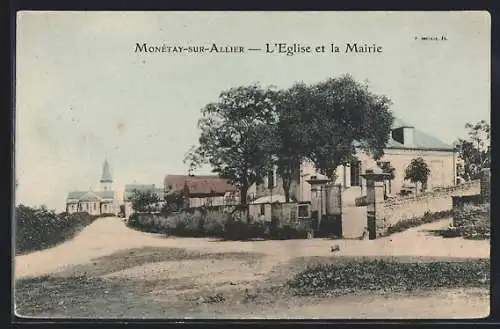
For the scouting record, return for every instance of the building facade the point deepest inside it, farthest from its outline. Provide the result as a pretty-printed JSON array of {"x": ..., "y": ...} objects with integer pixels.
[
  {"x": 99, "y": 202},
  {"x": 405, "y": 144}
]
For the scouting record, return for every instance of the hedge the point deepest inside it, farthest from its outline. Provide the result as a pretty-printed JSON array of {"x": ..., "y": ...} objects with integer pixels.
[
  {"x": 39, "y": 228},
  {"x": 217, "y": 224}
]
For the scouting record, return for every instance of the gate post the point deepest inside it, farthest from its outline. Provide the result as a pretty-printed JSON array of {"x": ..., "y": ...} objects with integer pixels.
[
  {"x": 334, "y": 208},
  {"x": 375, "y": 201}
]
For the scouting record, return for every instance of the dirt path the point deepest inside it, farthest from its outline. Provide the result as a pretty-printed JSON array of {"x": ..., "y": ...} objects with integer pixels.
[{"x": 109, "y": 235}]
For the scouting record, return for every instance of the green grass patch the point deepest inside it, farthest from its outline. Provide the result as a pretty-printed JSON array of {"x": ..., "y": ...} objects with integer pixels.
[{"x": 390, "y": 275}]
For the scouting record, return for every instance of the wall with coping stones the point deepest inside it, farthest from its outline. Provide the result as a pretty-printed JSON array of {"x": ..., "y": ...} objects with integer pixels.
[{"x": 435, "y": 201}]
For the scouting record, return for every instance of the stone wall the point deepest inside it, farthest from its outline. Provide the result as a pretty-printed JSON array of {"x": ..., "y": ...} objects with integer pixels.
[{"x": 436, "y": 201}]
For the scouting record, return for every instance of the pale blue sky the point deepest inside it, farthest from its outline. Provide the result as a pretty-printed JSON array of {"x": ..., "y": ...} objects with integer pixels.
[{"x": 83, "y": 94}]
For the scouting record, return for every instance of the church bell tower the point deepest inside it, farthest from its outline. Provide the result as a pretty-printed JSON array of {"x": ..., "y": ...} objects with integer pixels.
[{"x": 106, "y": 179}]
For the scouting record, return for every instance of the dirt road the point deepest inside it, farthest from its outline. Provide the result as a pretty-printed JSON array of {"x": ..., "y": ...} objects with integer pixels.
[
  {"x": 141, "y": 265},
  {"x": 109, "y": 235}
]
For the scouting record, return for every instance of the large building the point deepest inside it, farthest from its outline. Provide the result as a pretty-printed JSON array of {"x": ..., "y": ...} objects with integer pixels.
[
  {"x": 99, "y": 202},
  {"x": 199, "y": 191},
  {"x": 405, "y": 143}
]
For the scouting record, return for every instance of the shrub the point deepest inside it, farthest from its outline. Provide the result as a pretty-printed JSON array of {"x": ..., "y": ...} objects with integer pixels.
[
  {"x": 473, "y": 221},
  {"x": 39, "y": 228},
  {"x": 386, "y": 275},
  {"x": 235, "y": 230},
  {"x": 214, "y": 222}
]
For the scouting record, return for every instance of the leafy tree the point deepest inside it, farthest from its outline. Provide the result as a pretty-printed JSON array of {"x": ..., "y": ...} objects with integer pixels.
[
  {"x": 290, "y": 133},
  {"x": 417, "y": 172},
  {"x": 144, "y": 201},
  {"x": 173, "y": 202},
  {"x": 476, "y": 151},
  {"x": 235, "y": 135},
  {"x": 342, "y": 116},
  {"x": 387, "y": 169}
]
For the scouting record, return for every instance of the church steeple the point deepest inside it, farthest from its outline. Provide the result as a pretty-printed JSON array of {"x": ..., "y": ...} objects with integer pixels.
[{"x": 106, "y": 178}]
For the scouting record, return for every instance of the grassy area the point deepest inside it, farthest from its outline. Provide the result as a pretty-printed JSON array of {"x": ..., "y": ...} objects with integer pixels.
[
  {"x": 84, "y": 291},
  {"x": 390, "y": 275}
]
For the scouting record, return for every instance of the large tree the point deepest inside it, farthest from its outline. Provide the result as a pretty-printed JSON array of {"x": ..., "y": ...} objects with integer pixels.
[
  {"x": 475, "y": 151},
  {"x": 343, "y": 117},
  {"x": 290, "y": 133},
  {"x": 235, "y": 136}
]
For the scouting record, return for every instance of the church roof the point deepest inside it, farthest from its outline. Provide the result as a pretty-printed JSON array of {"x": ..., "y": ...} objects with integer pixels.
[
  {"x": 90, "y": 195},
  {"x": 106, "y": 174}
]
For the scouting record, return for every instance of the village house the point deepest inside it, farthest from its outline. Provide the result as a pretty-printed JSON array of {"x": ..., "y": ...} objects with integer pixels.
[
  {"x": 199, "y": 191},
  {"x": 406, "y": 143},
  {"x": 99, "y": 202},
  {"x": 130, "y": 190}
]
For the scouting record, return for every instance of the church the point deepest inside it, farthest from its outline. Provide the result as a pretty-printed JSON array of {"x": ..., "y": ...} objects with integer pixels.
[{"x": 99, "y": 202}]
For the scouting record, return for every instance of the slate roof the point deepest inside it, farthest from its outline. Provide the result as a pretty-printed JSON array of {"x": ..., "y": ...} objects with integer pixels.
[
  {"x": 208, "y": 185},
  {"x": 130, "y": 188},
  {"x": 421, "y": 140},
  {"x": 91, "y": 195}
]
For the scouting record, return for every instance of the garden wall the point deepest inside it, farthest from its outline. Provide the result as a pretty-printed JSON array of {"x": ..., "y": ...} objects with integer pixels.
[{"x": 438, "y": 200}]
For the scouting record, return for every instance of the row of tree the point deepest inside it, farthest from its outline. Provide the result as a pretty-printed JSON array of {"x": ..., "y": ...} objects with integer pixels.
[{"x": 250, "y": 130}]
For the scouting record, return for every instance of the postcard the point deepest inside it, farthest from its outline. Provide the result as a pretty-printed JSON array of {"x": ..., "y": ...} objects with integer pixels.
[{"x": 252, "y": 165}]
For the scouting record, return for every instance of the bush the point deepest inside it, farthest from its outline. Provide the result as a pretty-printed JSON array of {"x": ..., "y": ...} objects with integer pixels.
[
  {"x": 214, "y": 223},
  {"x": 387, "y": 275},
  {"x": 473, "y": 221},
  {"x": 39, "y": 228}
]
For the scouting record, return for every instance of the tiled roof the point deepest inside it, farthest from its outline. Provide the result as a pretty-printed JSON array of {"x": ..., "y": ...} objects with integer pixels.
[{"x": 199, "y": 185}]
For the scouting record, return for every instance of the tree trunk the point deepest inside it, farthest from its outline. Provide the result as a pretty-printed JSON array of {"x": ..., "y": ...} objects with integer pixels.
[
  {"x": 286, "y": 188},
  {"x": 416, "y": 188}
]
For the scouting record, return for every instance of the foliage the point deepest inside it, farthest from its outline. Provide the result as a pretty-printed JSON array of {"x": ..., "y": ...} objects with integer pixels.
[
  {"x": 341, "y": 116},
  {"x": 251, "y": 130},
  {"x": 212, "y": 223},
  {"x": 390, "y": 275},
  {"x": 476, "y": 151},
  {"x": 173, "y": 202},
  {"x": 235, "y": 136},
  {"x": 144, "y": 201},
  {"x": 40, "y": 228},
  {"x": 473, "y": 221},
  {"x": 417, "y": 172}
]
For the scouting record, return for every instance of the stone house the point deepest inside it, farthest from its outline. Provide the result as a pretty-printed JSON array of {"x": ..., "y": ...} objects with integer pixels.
[{"x": 405, "y": 143}]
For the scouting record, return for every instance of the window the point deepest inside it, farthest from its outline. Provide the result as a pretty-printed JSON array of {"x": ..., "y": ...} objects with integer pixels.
[
  {"x": 105, "y": 208},
  {"x": 355, "y": 173},
  {"x": 270, "y": 179},
  {"x": 86, "y": 206},
  {"x": 95, "y": 207},
  {"x": 303, "y": 210},
  {"x": 262, "y": 209}
]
